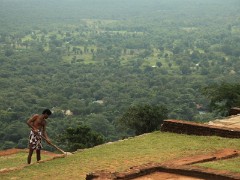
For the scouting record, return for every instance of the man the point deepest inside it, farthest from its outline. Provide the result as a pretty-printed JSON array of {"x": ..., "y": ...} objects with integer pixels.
[{"x": 38, "y": 124}]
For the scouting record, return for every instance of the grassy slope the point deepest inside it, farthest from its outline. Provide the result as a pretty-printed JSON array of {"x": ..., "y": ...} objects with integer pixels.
[
  {"x": 18, "y": 159},
  {"x": 118, "y": 156},
  {"x": 227, "y": 164}
]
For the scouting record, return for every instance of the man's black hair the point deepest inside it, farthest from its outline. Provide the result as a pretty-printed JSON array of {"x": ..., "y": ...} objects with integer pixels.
[{"x": 47, "y": 111}]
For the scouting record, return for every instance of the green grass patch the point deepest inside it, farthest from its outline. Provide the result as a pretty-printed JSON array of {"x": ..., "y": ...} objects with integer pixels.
[
  {"x": 18, "y": 159},
  {"x": 121, "y": 155},
  {"x": 13, "y": 160},
  {"x": 228, "y": 164}
]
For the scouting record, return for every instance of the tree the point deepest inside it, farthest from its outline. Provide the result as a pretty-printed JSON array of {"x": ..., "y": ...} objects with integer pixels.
[
  {"x": 99, "y": 123},
  {"x": 185, "y": 69},
  {"x": 9, "y": 52},
  {"x": 144, "y": 118},
  {"x": 159, "y": 64},
  {"x": 80, "y": 137},
  {"x": 223, "y": 96}
]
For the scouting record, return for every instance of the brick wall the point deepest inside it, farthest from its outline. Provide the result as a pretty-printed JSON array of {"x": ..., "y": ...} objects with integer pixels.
[{"x": 191, "y": 128}]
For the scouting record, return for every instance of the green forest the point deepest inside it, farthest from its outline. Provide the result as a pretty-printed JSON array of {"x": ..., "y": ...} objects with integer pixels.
[{"x": 94, "y": 62}]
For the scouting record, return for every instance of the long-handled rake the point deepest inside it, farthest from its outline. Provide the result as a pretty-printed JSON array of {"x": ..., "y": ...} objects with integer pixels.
[{"x": 65, "y": 153}]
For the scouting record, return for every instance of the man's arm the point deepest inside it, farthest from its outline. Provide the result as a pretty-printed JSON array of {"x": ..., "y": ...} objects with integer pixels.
[{"x": 45, "y": 133}]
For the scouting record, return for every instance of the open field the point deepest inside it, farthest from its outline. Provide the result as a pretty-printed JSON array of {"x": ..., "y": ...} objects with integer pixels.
[{"x": 118, "y": 156}]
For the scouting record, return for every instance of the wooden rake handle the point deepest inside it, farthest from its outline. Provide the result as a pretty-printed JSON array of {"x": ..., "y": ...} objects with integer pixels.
[{"x": 54, "y": 145}]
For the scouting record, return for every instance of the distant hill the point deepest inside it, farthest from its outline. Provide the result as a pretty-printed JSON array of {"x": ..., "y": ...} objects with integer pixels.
[{"x": 96, "y": 58}]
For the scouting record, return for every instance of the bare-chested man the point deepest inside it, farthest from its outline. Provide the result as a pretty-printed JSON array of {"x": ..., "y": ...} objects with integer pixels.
[{"x": 38, "y": 124}]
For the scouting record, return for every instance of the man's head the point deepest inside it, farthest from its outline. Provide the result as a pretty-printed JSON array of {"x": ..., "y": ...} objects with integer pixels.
[{"x": 46, "y": 112}]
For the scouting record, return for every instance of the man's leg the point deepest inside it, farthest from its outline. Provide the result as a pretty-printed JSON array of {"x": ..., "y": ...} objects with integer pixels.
[
  {"x": 38, "y": 152},
  {"x": 30, "y": 155}
]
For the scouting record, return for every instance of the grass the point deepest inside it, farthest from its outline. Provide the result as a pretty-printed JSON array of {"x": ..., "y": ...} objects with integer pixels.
[
  {"x": 18, "y": 159},
  {"x": 228, "y": 164},
  {"x": 13, "y": 160},
  {"x": 121, "y": 155}
]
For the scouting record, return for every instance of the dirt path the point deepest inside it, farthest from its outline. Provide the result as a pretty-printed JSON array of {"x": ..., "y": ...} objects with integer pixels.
[
  {"x": 166, "y": 176},
  {"x": 11, "y": 151},
  {"x": 14, "y": 151}
]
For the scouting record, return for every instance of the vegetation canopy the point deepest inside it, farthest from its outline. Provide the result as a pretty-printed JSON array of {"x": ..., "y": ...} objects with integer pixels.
[
  {"x": 144, "y": 118},
  {"x": 80, "y": 137},
  {"x": 90, "y": 61},
  {"x": 223, "y": 97}
]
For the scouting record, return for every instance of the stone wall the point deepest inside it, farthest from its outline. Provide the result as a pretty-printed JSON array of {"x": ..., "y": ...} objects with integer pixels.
[
  {"x": 191, "y": 128},
  {"x": 234, "y": 111}
]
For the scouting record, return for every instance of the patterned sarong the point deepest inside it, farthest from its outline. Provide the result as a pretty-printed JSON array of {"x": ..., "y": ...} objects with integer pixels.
[{"x": 35, "y": 140}]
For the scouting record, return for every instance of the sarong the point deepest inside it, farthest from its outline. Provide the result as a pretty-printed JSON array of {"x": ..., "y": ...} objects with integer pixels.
[{"x": 35, "y": 140}]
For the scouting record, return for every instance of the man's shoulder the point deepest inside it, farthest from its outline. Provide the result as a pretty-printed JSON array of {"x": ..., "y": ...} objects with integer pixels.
[{"x": 35, "y": 116}]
